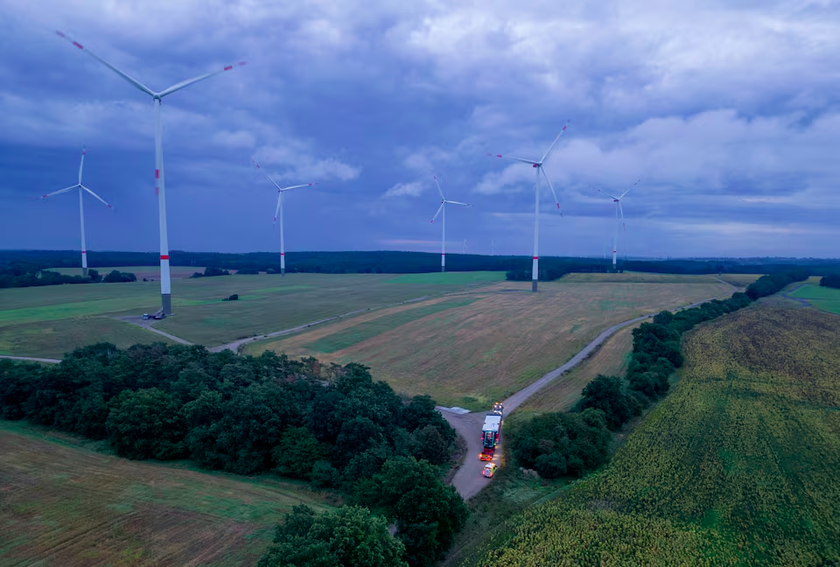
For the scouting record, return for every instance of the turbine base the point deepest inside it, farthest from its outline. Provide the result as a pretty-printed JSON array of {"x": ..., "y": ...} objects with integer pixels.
[
  {"x": 166, "y": 303},
  {"x": 282, "y": 271},
  {"x": 534, "y": 286}
]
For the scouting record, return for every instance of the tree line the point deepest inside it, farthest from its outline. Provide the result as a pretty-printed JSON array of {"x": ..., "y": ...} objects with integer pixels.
[
  {"x": 574, "y": 443},
  {"x": 396, "y": 262},
  {"x": 330, "y": 425},
  {"x": 29, "y": 275}
]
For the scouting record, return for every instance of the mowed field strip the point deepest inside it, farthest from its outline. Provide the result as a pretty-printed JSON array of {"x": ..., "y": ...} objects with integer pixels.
[
  {"x": 49, "y": 321},
  {"x": 471, "y": 348},
  {"x": 64, "y": 504},
  {"x": 823, "y": 298}
]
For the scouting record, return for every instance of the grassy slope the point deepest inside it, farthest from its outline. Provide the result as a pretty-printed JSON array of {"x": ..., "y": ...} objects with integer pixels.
[
  {"x": 492, "y": 347},
  {"x": 737, "y": 466},
  {"x": 267, "y": 303},
  {"x": 65, "y": 504},
  {"x": 824, "y": 298}
]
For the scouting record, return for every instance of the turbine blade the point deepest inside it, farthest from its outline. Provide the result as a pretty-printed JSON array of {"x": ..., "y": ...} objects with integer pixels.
[
  {"x": 59, "y": 192},
  {"x": 298, "y": 186},
  {"x": 439, "y": 210},
  {"x": 631, "y": 187},
  {"x": 267, "y": 175},
  {"x": 81, "y": 165},
  {"x": 613, "y": 197},
  {"x": 621, "y": 211},
  {"x": 98, "y": 197},
  {"x": 439, "y": 189},
  {"x": 550, "y": 186},
  {"x": 188, "y": 82},
  {"x": 122, "y": 74},
  {"x": 458, "y": 203},
  {"x": 551, "y": 147},
  {"x": 523, "y": 160},
  {"x": 277, "y": 209}
]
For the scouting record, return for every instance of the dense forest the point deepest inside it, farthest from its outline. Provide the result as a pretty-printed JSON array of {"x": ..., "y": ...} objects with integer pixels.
[
  {"x": 331, "y": 425},
  {"x": 558, "y": 444},
  {"x": 393, "y": 262}
]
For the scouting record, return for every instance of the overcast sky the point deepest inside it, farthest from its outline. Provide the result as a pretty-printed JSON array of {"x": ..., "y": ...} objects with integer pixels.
[{"x": 727, "y": 111}]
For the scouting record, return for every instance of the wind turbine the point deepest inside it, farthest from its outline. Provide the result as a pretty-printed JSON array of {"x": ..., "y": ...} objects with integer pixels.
[
  {"x": 442, "y": 209},
  {"x": 538, "y": 165},
  {"x": 81, "y": 189},
  {"x": 466, "y": 247},
  {"x": 165, "y": 284},
  {"x": 619, "y": 219},
  {"x": 279, "y": 211}
]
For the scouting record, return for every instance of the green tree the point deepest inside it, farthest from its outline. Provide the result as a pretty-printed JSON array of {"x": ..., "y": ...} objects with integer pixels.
[
  {"x": 146, "y": 425},
  {"x": 297, "y": 452},
  {"x": 428, "y": 512},
  {"x": 606, "y": 394},
  {"x": 349, "y": 537}
]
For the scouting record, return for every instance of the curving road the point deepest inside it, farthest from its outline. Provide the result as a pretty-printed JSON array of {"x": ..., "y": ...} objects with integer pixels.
[
  {"x": 468, "y": 480},
  {"x": 32, "y": 359}
]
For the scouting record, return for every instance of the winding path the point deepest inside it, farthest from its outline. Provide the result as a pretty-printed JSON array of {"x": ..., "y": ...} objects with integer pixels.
[
  {"x": 468, "y": 480},
  {"x": 31, "y": 359}
]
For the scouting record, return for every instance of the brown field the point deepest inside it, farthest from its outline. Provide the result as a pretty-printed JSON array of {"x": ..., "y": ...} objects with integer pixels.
[
  {"x": 740, "y": 280},
  {"x": 610, "y": 360},
  {"x": 64, "y": 504},
  {"x": 506, "y": 338},
  {"x": 638, "y": 277}
]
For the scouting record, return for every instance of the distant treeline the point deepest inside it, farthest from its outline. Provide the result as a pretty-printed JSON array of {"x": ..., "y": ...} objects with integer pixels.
[
  {"x": 831, "y": 280},
  {"x": 28, "y": 275},
  {"x": 558, "y": 444},
  {"x": 331, "y": 425},
  {"x": 392, "y": 262}
]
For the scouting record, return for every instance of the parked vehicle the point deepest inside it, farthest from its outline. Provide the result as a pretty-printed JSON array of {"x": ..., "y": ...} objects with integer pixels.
[{"x": 489, "y": 470}]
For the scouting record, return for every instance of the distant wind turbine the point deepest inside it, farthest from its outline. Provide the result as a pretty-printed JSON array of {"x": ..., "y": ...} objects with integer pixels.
[
  {"x": 279, "y": 211},
  {"x": 81, "y": 189},
  {"x": 165, "y": 284},
  {"x": 465, "y": 246},
  {"x": 442, "y": 210},
  {"x": 538, "y": 165},
  {"x": 619, "y": 219}
]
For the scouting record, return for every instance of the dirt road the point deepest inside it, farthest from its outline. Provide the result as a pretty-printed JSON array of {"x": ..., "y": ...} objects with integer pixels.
[{"x": 32, "y": 359}]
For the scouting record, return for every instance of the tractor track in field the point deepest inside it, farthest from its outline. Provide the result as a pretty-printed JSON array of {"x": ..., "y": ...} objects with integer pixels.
[{"x": 468, "y": 480}]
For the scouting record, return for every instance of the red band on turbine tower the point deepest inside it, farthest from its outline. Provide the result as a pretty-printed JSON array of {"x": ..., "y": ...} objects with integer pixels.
[
  {"x": 282, "y": 253},
  {"x": 84, "y": 251},
  {"x": 536, "y": 257},
  {"x": 164, "y": 256}
]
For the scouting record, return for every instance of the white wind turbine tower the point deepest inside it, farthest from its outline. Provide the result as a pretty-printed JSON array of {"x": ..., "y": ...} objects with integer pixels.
[
  {"x": 619, "y": 219},
  {"x": 165, "y": 284},
  {"x": 81, "y": 189},
  {"x": 442, "y": 210},
  {"x": 279, "y": 211},
  {"x": 538, "y": 165},
  {"x": 466, "y": 247}
]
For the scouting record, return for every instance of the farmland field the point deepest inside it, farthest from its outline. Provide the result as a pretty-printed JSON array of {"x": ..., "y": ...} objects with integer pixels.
[
  {"x": 497, "y": 340},
  {"x": 740, "y": 280},
  {"x": 62, "y": 503},
  {"x": 737, "y": 466},
  {"x": 266, "y": 303},
  {"x": 638, "y": 277},
  {"x": 824, "y": 298},
  {"x": 610, "y": 359}
]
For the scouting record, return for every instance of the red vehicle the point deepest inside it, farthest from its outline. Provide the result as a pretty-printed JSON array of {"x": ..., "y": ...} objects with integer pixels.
[
  {"x": 490, "y": 433},
  {"x": 487, "y": 454}
]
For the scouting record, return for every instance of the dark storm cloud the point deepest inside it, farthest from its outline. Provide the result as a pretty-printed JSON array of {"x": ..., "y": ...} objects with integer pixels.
[{"x": 726, "y": 110}]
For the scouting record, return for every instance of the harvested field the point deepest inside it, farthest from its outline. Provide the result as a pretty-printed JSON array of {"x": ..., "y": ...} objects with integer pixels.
[
  {"x": 737, "y": 466},
  {"x": 52, "y": 339},
  {"x": 638, "y": 277},
  {"x": 740, "y": 280},
  {"x": 610, "y": 359},
  {"x": 471, "y": 354},
  {"x": 64, "y": 504},
  {"x": 266, "y": 303}
]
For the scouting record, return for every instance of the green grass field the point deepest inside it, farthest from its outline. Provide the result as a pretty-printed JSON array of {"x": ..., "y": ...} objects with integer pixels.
[
  {"x": 736, "y": 466},
  {"x": 823, "y": 298},
  {"x": 500, "y": 341},
  {"x": 64, "y": 503},
  {"x": 72, "y": 315}
]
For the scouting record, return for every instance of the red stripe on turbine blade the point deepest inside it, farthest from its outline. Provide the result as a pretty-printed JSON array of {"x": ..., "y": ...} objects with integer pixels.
[
  {"x": 164, "y": 257},
  {"x": 157, "y": 174},
  {"x": 77, "y": 44},
  {"x": 229, "y": 67},
  {"x": 59, "y": 33},
  {"x": 241, "y": 63}
]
